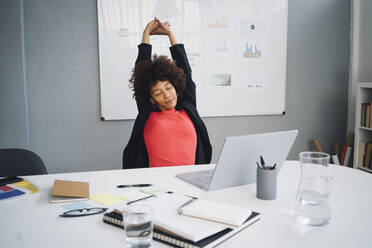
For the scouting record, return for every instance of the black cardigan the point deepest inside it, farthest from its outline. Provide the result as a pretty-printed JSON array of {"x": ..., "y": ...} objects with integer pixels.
[{"x": 135, "y": 153}]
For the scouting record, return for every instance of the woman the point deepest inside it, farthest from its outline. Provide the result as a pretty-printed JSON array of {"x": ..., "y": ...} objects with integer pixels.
[{"x": 168, "y": 130}]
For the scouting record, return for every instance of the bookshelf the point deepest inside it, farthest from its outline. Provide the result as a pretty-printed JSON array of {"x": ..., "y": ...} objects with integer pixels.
[{"x": 362, "y": 134}]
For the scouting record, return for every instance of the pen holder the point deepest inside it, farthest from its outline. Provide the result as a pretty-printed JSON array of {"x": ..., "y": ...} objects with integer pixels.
[{"x": 266, "y": 184}]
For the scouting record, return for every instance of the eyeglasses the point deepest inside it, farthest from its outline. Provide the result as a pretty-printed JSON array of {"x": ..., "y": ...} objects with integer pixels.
[{"x": 83, "y": 212}]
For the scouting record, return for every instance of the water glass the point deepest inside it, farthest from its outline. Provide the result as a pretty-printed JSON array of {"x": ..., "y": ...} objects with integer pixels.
[
  {"x": 138, "y": 225},
  {"x": 312, "y": 201}
]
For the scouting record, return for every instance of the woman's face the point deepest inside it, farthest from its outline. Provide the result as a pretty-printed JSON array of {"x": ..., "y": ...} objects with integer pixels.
[{"x": 164, "y": 95}]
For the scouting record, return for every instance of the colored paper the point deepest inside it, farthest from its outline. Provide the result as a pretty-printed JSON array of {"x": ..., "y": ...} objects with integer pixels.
[
  {"x": 27, "y": 185},
  {"x": 106, "y": 199},
  {"x": 5, "y": 188},
  {"x": 9, "y": 192},
  {"x": 76, "y": 205}
]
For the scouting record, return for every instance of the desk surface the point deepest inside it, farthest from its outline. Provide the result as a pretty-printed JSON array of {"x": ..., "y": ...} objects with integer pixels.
[{"x": 32, "y": 221}]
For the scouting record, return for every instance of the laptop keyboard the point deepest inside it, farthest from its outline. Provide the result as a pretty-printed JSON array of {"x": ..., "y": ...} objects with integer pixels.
[
  {"x": 205, "y": 179},
  {"x": 200, "y": 179}
]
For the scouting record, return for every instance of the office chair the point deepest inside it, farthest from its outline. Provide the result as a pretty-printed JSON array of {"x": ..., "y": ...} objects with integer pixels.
[{"x": 20, "y": 162}]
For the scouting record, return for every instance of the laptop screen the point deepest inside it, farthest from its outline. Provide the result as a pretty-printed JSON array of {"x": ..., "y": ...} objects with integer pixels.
[{"x": 237, "y": 161}]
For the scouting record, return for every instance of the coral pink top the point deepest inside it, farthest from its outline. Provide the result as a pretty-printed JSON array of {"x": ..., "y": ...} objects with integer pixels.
[{"x": 170, "y": 138}]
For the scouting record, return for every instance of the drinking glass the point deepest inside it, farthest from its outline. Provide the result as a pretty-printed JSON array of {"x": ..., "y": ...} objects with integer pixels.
[
  {"x": 138, "y": 225},
  {"x": 312, "y": 201}
]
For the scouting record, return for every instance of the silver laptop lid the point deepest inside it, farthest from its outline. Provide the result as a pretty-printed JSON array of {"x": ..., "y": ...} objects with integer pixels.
[{"x": 237, "y": 162}]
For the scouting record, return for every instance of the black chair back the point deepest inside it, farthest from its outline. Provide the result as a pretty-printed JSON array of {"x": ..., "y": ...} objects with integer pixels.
[{"x": 20, "y": 162}]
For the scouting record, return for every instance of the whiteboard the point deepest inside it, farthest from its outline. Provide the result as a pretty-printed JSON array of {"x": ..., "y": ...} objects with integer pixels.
[{"x": 236, "y": 48}]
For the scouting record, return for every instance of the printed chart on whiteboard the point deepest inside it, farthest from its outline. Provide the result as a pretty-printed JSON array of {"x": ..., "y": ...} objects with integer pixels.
[{"x": 236, "y": 48}]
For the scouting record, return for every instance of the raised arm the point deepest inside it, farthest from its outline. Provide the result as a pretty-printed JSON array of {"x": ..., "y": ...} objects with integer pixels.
[
  {"x": 177, "y": 50},
  {"x": 144, "y": 49},
  {"x": 156, "y": 27},
  {"x": 179, "y": 55}
]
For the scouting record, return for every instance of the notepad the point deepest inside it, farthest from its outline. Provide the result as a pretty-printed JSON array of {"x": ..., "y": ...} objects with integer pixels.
[
  {"x": 218, "y": 212},
  {"x": 166, "y": 216},
  {"x": 106, "y": 199},
  {"x": 181, "y": 230},
  {"x": 65, "y": 191}
]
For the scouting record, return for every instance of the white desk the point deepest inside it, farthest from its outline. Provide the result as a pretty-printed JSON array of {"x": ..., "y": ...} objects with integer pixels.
[{"x": 33, "y": 222}]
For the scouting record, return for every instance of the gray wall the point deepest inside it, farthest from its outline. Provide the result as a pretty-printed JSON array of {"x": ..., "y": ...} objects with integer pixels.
[
  {"x": 13, "y": 109},
  {"x": 62, "y": 84},
  {"x": 365, "y": 45}
]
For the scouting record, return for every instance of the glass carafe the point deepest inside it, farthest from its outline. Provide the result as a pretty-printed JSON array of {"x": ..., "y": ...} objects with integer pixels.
[{"x": 312, "y": 201}]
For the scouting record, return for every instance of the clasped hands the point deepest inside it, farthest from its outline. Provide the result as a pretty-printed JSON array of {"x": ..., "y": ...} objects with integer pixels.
[{"x": 156, "y": 27}]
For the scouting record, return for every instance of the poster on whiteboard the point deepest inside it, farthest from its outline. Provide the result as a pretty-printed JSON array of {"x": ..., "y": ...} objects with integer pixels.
[{"x": 236, "y": 48}]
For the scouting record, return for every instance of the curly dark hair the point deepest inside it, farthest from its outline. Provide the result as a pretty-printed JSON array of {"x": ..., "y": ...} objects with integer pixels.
[{"x": 146, "y": 73}]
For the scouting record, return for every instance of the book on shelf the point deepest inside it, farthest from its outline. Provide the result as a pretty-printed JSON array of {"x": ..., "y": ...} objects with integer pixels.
[
  {"x": 368, "y": 115},
  {"x": 335, "y": 160},
  {"x": 343, "y": 154},
  {"x": 363, "y": 115},
  {"x": 337, "y": 150},
  {"x": 370, "y": 163},
  {"x": 183, "y": 231},
  {"x": 367, "y": 156},
  {"x": 361, "y": 153},
  {"x": 347, "y": 157}
]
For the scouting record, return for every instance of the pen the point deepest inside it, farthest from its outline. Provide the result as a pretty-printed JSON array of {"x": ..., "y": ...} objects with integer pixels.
[
  {"x": 262, "y": 163},
  {"x": 141, "y": 199},
  {"x": 273, "y": 167},
  {"x": 179, "y": 210},
  {"x": 134, "y": 185},
  {"x": 258, "y": 165}
]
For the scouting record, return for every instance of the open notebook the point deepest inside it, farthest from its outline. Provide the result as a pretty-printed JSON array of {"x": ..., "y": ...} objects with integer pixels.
[
  {"x": 217, "y": 212},
  {"x": 195, "y": 229},
  {"x": 181, "y": 230}
]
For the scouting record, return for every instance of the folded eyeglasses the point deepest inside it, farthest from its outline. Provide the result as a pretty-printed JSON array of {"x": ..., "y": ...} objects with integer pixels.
[{"x": 83, "y": 212}]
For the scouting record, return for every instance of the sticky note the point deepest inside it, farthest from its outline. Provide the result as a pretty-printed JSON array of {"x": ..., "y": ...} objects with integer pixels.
[
  {"x": 106, "y": 199},
  {"x": 76, "y": 205}
]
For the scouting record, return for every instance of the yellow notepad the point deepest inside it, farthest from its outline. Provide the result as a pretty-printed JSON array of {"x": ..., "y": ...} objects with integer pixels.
[{"x": 106, "y": 199}]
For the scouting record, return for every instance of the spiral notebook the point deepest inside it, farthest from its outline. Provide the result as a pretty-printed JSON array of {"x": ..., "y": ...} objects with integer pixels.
[
  {"x": 164, "y": 236},
  {"x": 184, "y": 231}
]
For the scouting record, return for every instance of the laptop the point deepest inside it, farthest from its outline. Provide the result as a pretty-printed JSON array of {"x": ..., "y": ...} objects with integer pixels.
[{"x": 237, "y": 161}]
